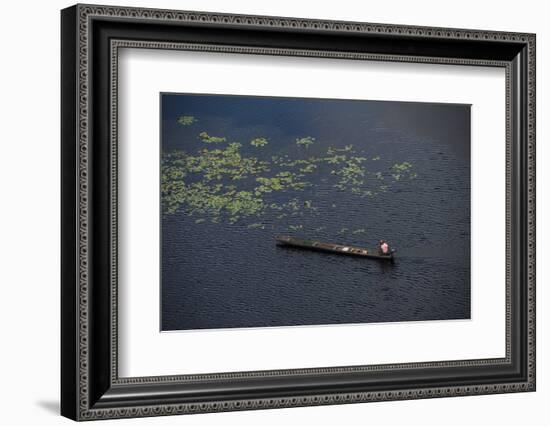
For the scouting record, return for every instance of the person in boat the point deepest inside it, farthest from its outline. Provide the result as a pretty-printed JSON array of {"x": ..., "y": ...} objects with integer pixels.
[{"x": 383, "y": 248}]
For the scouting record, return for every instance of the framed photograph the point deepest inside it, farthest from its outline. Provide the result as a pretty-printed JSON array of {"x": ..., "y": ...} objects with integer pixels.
[{"x": 263, "y": 212}]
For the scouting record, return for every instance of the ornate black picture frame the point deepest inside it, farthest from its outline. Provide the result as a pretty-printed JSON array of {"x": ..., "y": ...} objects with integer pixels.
[{"x": 91, "y": 386}]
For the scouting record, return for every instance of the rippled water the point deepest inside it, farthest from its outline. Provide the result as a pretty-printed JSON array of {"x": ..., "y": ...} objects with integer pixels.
[{"x": 221, "y": 275}]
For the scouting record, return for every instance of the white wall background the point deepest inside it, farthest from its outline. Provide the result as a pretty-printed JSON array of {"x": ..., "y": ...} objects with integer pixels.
[{"x": 29, "y": 225}]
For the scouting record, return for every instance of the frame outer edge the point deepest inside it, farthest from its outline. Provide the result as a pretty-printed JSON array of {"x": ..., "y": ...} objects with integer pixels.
[
  {"x": 83, "y": 13},
  {"x": 69, "y": 220},
  {"x": 531, "y": 200},
  {"x": 83, "y": 177}
]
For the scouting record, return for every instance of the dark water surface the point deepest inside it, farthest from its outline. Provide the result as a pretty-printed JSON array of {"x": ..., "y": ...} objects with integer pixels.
[{"x": 220, "y": 275}]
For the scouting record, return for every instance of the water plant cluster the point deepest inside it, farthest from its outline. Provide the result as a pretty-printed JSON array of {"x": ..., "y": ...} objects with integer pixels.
[
  {"x": 221, "y": 180},
  {"x": 187, "y": 120}
]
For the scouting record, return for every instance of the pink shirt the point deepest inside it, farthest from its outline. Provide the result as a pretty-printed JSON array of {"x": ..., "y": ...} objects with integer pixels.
[{"x": 384, "y": 248}]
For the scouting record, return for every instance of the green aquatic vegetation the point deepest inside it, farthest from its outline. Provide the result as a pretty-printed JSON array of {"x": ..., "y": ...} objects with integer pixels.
[
  {"x": 187, "y": 120},
  {"x": 171, "y": 173},
  {"x": 310, "y": 168},
  {"x": 268, "y": 184},
  {"x": 245, "y": 203},
  {"x": 333, "y": 150},
  {"x": 218, "y": 164},
  {"x": 292, "y": 205},
  {"x": 256, "y": 226},
  {"x": 207, "y": 195},
  {"x": 280, "y": 182},
  {"x": 403, "y": 167},
  {"x": 359, "y": 231},
  {"x": 336, "y": 159},
  {"x": 225, "y": 183},
  {"x": 351, "y": 175},
  {"x": 401, "y": 170},
  {"x": 295, "y": 163},
  {"x": 203, "y": 198},
  {"x": 295, "y": 227},
  {"x": 205, "y": 137},
  {"x": 376, "y": 158},
  {"x": 258, "y": 142},
  {"x": 307, "y": 141}
]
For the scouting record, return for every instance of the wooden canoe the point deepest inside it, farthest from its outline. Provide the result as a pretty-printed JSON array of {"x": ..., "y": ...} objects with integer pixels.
[{"x": 342, "y": 249}]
